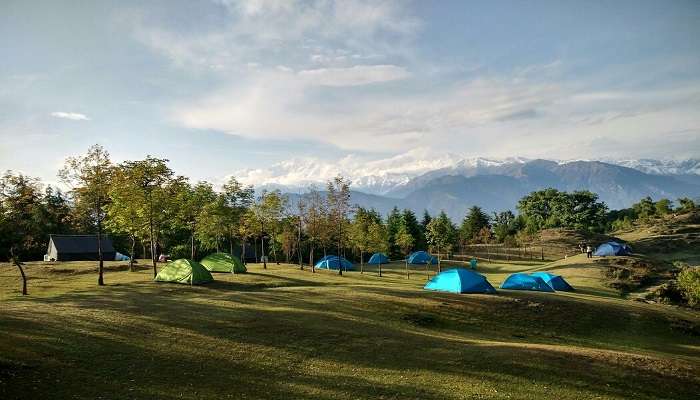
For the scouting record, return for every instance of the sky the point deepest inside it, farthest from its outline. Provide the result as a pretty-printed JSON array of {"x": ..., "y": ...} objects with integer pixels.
[{"x": 226, "y": 87}]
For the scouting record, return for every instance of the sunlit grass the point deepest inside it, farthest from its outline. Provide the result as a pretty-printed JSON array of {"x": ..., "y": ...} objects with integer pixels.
[{"x": 286, "y": 333}]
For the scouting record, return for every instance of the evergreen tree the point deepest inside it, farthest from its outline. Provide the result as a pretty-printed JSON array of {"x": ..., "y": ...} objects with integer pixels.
[
  {"x": 409, "y": 220},
  {"x": 393, "y": 223}
]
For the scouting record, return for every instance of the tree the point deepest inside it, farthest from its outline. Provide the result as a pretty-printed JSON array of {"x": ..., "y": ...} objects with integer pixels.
[
  {"x": 247, "y": 227},
  {"x": 441, "y": 234},
  {"x": 315, "y": 219},
  {"x": 505, "y": 225},
  {"x": 22, "y": 213},
  {"x": 125, "y": 210},
  {"x": 20, "y": 224},
  {"x": 213, "y": 223},
  {"x": 472, "y": 225},
  {"x": 405, "y": 242},
  {"x": 360, "y": 231},
  {"x": 685, "y": 204},
  {"x": 338, "y": 196},
  {"x": 409, "y": 220},
  {"x": 287, "y": 236},
  {"x": 377, "y": 238},
  {"x": 663, "y": 207},
  {"x": 425, "y": 221},
  {"x": 90, "y": 178},
  {"x": 238, "y": 199},
  {"x": 143, "y": 195},
  {"x": 645, "y": 208},
  {"x": 268, "y": 212},
  {"x": 393, "y": 223},
  {"x": 190, "y": 204},
  {"x": 551, "y": 208}
]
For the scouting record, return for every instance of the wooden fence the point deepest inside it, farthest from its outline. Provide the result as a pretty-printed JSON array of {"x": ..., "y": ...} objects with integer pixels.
[{"x": 531, "y": 252}]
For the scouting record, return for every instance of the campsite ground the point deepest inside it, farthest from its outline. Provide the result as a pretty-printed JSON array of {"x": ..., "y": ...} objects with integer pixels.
[{"x": 285, "y": 333}]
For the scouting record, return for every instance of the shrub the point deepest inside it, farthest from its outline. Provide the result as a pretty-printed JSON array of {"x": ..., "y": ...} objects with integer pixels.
[
  {"x": 180, "y": 251},
  {"x": 689, "y": 284}
]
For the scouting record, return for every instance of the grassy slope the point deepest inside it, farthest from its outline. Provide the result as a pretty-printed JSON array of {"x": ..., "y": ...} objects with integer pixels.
[{"x": 284, "y": 333}]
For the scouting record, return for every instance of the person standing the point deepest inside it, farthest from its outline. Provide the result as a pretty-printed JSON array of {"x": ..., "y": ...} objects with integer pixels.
[{"x": 589, "y": 251}]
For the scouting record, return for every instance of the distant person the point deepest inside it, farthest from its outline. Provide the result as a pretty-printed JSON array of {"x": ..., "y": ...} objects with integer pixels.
[
  {"x": 472, "y": 263},
  {"x": 589, "y": 251}
]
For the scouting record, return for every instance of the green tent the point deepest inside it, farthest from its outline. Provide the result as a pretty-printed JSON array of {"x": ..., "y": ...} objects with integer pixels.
[
  {"x": 184, "y": 271},
  {"x": 223, "y": 262}
]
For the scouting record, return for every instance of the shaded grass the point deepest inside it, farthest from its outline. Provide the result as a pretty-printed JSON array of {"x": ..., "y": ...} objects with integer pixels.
[{"x": 285, "y": 333}]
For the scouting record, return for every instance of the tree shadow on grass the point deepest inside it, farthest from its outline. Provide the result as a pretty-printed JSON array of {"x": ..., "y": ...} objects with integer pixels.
[{"x": 196, "y": 342}]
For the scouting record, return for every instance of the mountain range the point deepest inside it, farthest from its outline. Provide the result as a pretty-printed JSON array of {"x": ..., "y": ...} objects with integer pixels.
[{"x": 454, "y": 184}]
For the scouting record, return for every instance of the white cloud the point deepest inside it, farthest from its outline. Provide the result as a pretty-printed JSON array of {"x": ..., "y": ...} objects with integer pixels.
[
  {"x": 267, "y": 29},
  {"x": 70, "y": 115},
  {"x": 354, "y": 76}
]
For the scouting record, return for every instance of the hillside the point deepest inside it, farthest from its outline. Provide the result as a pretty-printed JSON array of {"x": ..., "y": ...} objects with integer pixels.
[
  {"x": 285, "y": 333},
  {"x": 659, "y": 247}
]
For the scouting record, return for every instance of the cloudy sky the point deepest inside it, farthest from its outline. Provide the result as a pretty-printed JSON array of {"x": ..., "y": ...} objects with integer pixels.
[{"x": 221, "y": 86}]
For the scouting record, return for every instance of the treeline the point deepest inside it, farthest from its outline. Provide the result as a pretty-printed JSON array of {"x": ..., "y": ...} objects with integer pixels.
[
  {"x": 646, "y": 210},
  {"x": 147, "y": 209}
]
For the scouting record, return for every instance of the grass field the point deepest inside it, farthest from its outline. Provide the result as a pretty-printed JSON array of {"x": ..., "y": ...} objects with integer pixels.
[{"x": 284, "y": 333}]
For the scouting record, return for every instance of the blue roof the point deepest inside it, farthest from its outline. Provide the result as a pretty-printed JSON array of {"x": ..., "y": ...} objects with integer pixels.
[
  {"x": 334, "y": 262},
  {"x": 557, "y": 282},
  {"x": 460, "y": 280},
  {"x": 378, "y": 258},
  {"x": 421, "y": 257},
  {"x": 526, "y": 282}
]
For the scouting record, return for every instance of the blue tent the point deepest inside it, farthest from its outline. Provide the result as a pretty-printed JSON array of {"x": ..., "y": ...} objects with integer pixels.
[
  {"x": 459, "y": 280},
  {"x": 334, "y": 262},
  {"x": 422, "y": 257},
  {"x": 526, "y": 282},
  {"x": 378, "y": 258},
  {"x": 555, "y": 281},
  {"x": 613, "y": 249}
]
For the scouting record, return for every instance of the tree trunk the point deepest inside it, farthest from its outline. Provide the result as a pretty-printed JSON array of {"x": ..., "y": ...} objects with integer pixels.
[
  {"x": 133, "y": 249},
  {"x": 262, "y": 249},
  {"x": 311, "y": 259},
  {"x": 192, "y": 242},
  {"x": 406, "y": 261},
  {"x": 362, "y": 265},
  {"x": 230, "y": 245},
  {"x": 243, "y": 251},
  {"x": 301, "y": 264},
  {"x": 255, "y": 248},
  {"x": 21, "y": 271},
  {"x": 274, "y": 254},
  {"x": 154, "y": 258},
  {"x": 100, "y": 278},
  {"x": 439, "y": 266}
]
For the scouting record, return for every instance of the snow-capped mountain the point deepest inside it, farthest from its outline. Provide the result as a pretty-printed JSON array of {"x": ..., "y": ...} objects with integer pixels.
[
  {"x": 370, "y": 176},
  {"x": 422, "y": 180},
  {"x": 390, "y": 176},
  {"x": 662, "y": 167}
]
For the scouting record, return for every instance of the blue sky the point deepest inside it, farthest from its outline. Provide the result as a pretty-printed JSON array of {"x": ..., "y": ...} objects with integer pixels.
[{"x": 222, "y": 86}]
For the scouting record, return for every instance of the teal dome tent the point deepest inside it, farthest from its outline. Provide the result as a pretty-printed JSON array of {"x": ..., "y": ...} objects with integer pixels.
[
  {"x": 460, "y": 280},
  {"x": 526, "y": 282}
]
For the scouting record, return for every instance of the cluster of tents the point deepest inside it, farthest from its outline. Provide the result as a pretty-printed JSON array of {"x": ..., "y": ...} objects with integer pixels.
[
  {"x": 335, "y": 262},
  {"x": 461, "y": 280},
  {"x": 456, "y": 280},
  {"x": 195, "y": 273}
]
